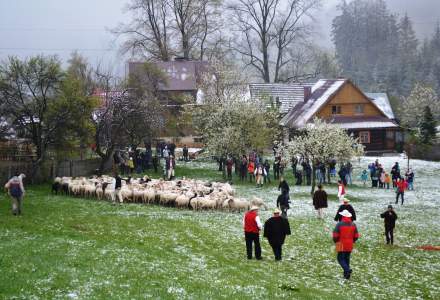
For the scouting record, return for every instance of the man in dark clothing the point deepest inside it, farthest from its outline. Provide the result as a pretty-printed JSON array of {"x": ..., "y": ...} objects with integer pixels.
[
  {"x": 283, "y": 186},
  {"x": 243, "y": 168},
  {"x": 185, "y": 153},
  {"x": 283, "y": 203},
  {"x": 266, "y": 166},
  {"x": 275, "y": 230},
  {"x": 320, "y": 201},
  {"x": 345, "y": 206},
  {"x": 395, "y": 173},
  {"x": 345, "y": 235},
  {"x": 155, "y": 163},
  {"x": 390, "y": 218}
]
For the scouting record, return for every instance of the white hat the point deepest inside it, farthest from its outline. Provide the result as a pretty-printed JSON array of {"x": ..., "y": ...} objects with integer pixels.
[
  {"x": 345, "y": 200},
  {"x": 345, "y": 213},
  {"x": 254, "y": 207},
  {"x": 276, "y": 211}
]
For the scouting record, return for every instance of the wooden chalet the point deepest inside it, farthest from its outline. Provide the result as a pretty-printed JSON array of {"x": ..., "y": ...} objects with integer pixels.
[{"x": 368, "y": 116}]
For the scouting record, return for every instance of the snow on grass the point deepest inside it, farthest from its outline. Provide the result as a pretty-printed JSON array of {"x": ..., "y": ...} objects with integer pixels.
[{"x": 82, "y": 249}]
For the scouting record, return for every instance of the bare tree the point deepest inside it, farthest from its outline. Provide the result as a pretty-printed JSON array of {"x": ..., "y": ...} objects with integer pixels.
[
  {"x": 268, "y": 28},
  {"x": 148, "y": 32},
  {"x": 163, "y": 28}
]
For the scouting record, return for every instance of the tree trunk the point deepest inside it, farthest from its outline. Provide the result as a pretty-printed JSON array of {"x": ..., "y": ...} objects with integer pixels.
[{"x": 313, "y": 179}]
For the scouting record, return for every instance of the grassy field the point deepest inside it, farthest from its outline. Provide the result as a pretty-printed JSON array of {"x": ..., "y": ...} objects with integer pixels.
[{"x": 71, "y": 248}]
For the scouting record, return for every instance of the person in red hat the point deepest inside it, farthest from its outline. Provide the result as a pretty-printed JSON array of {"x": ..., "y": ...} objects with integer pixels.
[
  {"x": 345, "y": 235},
  {"x": 252, "y": 226}
]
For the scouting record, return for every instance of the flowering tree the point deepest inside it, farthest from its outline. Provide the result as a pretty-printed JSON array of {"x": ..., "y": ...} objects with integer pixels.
[
  {"x": 230, "y": 123},
  {"x": 412, "y": 109},
  {"x": 321, "y": 142}
]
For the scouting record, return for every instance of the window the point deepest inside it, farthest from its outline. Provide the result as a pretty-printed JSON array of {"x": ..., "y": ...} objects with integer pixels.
[
  {"x": 336, "y": 110},
  {"x": 390, "y": 135},
  {"x": 359, "y": 109},
  {"x": 364, "y": 137}
]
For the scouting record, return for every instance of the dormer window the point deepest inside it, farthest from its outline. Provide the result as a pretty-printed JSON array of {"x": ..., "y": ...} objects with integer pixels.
[{"x": 336, "y": 110}]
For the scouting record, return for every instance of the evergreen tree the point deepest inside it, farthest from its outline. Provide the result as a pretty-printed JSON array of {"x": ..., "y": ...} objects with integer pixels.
[
  {"x": 427, "y": 127},
  {"x": 407, "y": 54}
]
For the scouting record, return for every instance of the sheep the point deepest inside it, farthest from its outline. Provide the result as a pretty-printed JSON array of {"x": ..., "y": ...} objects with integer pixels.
[
  {"x": 258, "y": 202},
  {"x": 182, "y": 201},
  {"x": 236, "y": 204}
]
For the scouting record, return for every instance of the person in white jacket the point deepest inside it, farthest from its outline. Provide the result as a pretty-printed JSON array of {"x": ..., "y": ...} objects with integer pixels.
[{"x": 260, "y": 173}]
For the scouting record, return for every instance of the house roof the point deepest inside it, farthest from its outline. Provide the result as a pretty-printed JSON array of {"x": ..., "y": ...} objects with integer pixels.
[
  {"x": 181, "y": 75},
  {"x": 302, "y": 112},
  {"x": 289, "y": 95},
  {"x": 383, "y": 103},
  {"x": 322, "y": 92},
  {"x": 363, "y": 123}
]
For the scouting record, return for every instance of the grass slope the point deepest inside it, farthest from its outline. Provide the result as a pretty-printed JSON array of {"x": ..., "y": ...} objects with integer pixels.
[{"x": 64, "y": 247}]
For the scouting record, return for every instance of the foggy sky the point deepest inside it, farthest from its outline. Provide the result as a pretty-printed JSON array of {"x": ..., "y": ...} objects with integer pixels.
[{"x": 29, "y": 27}]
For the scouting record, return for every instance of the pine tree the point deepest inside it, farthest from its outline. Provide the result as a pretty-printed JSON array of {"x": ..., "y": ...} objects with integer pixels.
[
  {"x": 407, "y": 54},
  {"x": 427, "y": 127}
]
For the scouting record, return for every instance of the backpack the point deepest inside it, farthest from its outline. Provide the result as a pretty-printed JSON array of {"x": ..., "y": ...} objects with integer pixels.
[{"x": 15, "y": 190}]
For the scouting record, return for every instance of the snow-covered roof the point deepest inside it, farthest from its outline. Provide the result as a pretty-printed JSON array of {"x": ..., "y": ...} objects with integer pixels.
[
  {"x": 305, "y": 110},
  {"x": 383, "y": 103},
  {"x": 288, "y": 95}
]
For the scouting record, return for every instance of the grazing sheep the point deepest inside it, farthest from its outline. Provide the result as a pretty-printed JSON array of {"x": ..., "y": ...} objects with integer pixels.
[{"x": 258, "y": 202}]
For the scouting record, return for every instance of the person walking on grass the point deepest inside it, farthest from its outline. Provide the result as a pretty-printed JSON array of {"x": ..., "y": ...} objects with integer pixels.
[
  {"x": 401, "y": 186},
  {"x": 252, "y": 226},
  {"x": 364, "y": 177},
  {"x": 341, "y": 190},
  {"x": 260, "y": 174},
  {"x": 320, "y": 201},
  {"x": 116, "y": 185},
  {"x": 390, "y": 218},
  {"x": 275, "y": 230},
  {"x": 387, "y": 181},
  {"x": 16, "y": 191},
  {"x": 266, "y": 167},
  {"x": 283, "y": 203},
  {"x": 345, "y": 235},
  {"x": 409, "y": 175},
  {"x": 345, "y": 206}
]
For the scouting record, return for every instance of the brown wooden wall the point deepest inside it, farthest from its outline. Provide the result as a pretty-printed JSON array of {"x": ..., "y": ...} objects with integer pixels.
[
  {"x": 347, "y": 98},
  {"x": 378, "y": 139}
]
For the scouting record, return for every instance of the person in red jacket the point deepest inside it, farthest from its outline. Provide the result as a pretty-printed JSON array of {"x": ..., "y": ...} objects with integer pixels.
[
  {"x": 252, "y": 226},
  {"x": 345, "y": 235},
  {"x": 401, "y": 186}
]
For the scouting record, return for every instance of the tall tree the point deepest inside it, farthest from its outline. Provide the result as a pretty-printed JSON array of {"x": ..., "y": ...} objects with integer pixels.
[
  {"x": 266, "y": 29},
  {"x": 365, "y": 38},
  {"x": 321, "y": 142},
  {"x": 161, "y": 29},
  {"x": 413, "y": 106},
  {"x": 148, "y": 34},
  {"x": 407, "y": 54},
  {"x": 427, "y": 127},
  {"x": 43, "y": 103}
]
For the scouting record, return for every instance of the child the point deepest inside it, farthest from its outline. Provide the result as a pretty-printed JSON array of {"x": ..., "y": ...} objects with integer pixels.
[
  {"x": 387, "y": 180},
  {"x": 364, "y": 177}
]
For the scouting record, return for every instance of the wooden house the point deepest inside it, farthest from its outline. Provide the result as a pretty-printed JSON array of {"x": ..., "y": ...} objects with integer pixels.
[{"x": 339, "y": 101}]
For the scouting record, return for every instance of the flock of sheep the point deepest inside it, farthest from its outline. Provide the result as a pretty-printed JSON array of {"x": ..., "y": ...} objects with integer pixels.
[{"x": 185, "y": 193}]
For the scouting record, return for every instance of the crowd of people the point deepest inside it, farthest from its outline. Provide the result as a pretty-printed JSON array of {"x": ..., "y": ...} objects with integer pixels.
[{"x": 129, "y": 161}]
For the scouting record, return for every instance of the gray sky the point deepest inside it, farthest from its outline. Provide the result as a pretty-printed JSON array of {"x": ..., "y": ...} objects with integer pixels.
[{"x": 29, "y": 27}]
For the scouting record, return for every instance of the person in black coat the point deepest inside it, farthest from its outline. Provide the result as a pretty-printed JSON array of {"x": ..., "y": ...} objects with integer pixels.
[
  {"x": 283, "y": 186},
  {"x": 390, "y": 218},
  {"x": 275, "y": 230},
  {"x": 348, "y": 207},
  {"x": 283, "y": 203},
  {"x": 320, "y": 200}
]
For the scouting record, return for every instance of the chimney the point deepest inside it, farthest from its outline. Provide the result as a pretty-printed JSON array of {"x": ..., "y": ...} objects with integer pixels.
[{"x": 307, "y": 93}]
